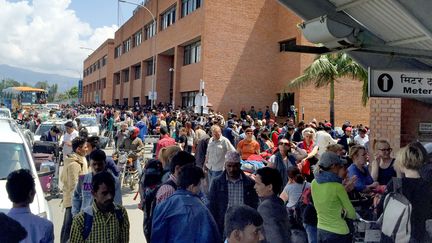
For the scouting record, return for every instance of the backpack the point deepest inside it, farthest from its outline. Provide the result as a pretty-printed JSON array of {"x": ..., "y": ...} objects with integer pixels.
[
  {"x": 296, "y": 212},
  {"x": 396, "y": 217},
  {"x": 88, "y": 222},
  {"x": 150, "y": 205}
]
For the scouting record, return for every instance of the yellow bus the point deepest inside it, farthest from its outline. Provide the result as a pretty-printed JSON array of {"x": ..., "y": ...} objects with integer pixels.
[{"x": 23, "y": 97}]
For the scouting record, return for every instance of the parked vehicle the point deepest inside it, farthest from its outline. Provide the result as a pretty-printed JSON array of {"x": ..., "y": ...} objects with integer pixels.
[
  {"x": 128, "y": 174},
  {"x": 16, "y": 154}
]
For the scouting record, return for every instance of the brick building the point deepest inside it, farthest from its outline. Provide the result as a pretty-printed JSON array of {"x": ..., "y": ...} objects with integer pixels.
[{"x": 232, "y": 45}]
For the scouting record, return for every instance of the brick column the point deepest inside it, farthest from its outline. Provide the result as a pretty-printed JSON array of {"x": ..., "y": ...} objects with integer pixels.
[{"x": 385, "y": 121}]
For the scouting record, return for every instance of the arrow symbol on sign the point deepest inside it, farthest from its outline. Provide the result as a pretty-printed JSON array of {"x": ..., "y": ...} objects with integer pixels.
[{"x": 385, "y": 83}]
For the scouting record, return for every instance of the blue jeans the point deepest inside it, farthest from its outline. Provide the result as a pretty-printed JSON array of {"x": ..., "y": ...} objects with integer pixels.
[
  {"x": 329, "y": 237},
  {"x": 212, "y": 175},
  {"x": 312, "y": 233}
]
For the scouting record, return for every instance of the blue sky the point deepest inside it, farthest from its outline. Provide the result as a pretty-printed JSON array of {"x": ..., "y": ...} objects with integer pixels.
[
  {"x": 99, "y": 13},
  {"x": 47, "y": 35}
]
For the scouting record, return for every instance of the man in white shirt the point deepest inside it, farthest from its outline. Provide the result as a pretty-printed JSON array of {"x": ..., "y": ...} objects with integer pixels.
[
  {"x": 69, "y": 135},
  {"x": 217, "y": 148},
  {"x": 362, "y": 138},
  {"x": 324, "y": 139}
]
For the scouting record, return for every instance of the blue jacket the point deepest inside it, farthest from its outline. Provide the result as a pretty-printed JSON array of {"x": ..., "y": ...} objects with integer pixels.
[
  {"x": 82, "y": 196},
  {"x": 143, "y": 129},
  {"x": 363, "y": 179},
  {"x": 183, "y": 218}
]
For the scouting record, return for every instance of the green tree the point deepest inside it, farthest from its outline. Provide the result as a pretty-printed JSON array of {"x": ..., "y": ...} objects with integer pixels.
[
  {"x": 73, "y": 92},
  {"x": 52, "y": 92},
  {"x": 42, "y": 85},
  {"x": 326, "y": 69},
  {"x": 6, "y": 83}
]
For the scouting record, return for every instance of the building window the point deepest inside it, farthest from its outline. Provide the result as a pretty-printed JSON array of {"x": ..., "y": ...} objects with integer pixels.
[
  {"x": 118, "y": 51},
  {"x": 168, "y": 18},
  {"x": 117, "y": 78},
  {"x": 117, "y": 102},
  {"x": 98, "y": 64},
  {"x": 137, "y": 38},
  {"x": 104, "y": 83},
  {"x": 137, "y": 72},
  {"x": 127, "y": 45},
  {"x": 104, "y": 60},
  {"x": 125, "y": 74},
  {"x": 188, "y": 6},
  {"x": 188, "y": 98},
  {"x": 150, "y": 70},
  {"x": 150, "y": 30},
  {"x": 125, "y": 101},
  {"x": 192, "y": 53}
]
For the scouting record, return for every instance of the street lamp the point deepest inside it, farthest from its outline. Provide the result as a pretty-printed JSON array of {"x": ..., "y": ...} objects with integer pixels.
[{"x": 154, "y": 47}]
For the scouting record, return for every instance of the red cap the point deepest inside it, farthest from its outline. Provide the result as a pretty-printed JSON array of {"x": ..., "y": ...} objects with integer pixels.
[
  {"x": 348, "y": 129},
  {"x": 328, "y": 124}
]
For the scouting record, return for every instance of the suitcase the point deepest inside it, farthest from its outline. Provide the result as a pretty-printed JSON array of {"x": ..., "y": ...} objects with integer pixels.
[{"x": 45, "y": 147}]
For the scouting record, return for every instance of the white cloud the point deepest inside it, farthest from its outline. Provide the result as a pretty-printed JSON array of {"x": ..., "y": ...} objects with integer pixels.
[{"x": 46, "y": 36}]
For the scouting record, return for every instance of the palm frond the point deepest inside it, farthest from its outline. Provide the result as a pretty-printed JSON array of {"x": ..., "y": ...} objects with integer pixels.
[{"x": 320, "y": 73}]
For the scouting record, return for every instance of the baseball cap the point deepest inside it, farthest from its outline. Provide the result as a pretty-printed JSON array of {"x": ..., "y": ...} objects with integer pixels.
[
  {"x": 69, "y": 124},
  {"x": 328, "y": 159},
  {"x": 349, "y": 129}
]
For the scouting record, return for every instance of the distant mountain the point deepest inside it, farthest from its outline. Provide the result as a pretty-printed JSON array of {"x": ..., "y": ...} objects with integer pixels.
[{"x": 24, "y": 75}]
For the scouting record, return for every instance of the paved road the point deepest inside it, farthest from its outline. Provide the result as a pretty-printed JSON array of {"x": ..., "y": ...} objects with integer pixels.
[{"x": 135, "y": 215}]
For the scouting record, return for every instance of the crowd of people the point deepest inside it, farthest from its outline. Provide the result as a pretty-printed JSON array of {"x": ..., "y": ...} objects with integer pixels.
[{"x": 216, "y": 178}]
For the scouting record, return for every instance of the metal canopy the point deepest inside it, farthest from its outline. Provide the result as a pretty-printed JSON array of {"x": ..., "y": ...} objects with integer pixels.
[{"x": 395, "y": 34}]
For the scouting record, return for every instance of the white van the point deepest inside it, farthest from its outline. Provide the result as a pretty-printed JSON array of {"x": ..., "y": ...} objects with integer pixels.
[{"x": 15, "y": 154}]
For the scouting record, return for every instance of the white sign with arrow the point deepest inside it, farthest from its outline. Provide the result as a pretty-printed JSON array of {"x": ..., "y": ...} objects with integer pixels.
[{"x": 408, "y": 84}]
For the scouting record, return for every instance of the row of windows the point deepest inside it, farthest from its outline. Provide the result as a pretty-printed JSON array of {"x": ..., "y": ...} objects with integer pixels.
[
  {"x": 136, "y": 72},
  {"x": 97, "y": 85},
  {"x": 97, "y": 65},
  {"x": 167, "y": 19}
]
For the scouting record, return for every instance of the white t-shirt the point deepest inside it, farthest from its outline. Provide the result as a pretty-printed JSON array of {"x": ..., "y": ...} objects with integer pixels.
[
  {"x": 68, "y": 138},
  {"x": 361, "y": 141},
  {"x": 294, "y": 191}
]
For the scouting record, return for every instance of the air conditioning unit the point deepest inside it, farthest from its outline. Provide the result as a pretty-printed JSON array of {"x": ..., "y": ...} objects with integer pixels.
[{"x": 330, "y": 33}]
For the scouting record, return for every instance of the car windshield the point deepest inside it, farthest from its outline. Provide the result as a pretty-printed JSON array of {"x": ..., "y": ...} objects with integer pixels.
[
  {"x": 43, "y": 129},
  {"x": 13, "y": 158},
  {"x": 88, "y": 121},
  {"x": 4, "y": 114}
]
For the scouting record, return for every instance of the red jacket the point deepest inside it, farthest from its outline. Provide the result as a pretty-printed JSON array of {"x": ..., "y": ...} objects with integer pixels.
[{"x": 164, "y": 141}]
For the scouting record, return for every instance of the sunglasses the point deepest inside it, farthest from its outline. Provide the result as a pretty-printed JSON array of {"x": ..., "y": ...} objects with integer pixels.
[
  {"x": 386, "y": 150},
  {"x": 287, "y": 144}
]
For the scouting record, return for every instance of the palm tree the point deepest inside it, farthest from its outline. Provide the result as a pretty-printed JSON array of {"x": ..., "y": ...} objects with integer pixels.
[{"x": 326, "y": 69}]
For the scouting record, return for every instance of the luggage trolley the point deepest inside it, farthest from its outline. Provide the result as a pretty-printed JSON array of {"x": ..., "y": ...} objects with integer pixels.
[{"x": 46, "y": 156}]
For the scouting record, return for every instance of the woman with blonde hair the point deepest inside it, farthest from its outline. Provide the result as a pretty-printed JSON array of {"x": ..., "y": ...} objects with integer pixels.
[
  {"x": 410, "y": 160},
  {"x": 308, "y": 144},
  {"x": 165, "y": 156},
  {"x": 359, "y": 169},
  {"x": 383, "y": 166}
]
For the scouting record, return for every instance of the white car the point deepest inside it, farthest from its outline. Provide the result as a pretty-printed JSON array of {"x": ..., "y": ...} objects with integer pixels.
[
  {"x": 5, "y": 113},
  {"x": 52, "y": 106},
  {"x": 46, "y": 126},
  {"x": 15, "y": 154},
  {"x": 90, "y": 123}
]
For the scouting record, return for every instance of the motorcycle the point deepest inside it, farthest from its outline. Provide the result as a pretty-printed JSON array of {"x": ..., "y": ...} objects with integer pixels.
[{"x": 128, "y": 173}]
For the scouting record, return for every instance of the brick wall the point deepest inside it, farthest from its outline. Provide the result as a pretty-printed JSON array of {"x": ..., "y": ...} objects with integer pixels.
[
  {"x": 385, "y": 120},
  {"x": 413, "y": 113}
]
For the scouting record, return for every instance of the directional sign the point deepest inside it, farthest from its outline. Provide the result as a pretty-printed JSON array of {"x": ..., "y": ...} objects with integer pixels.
[
  {"x": 80, "y": 89},
  {"x": 408, "y": 84}
]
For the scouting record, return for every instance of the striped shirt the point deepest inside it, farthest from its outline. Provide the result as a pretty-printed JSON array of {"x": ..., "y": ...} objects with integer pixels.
[
  {"x": 165, "y": 190},
  {"x": 106, "y": 227}
]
